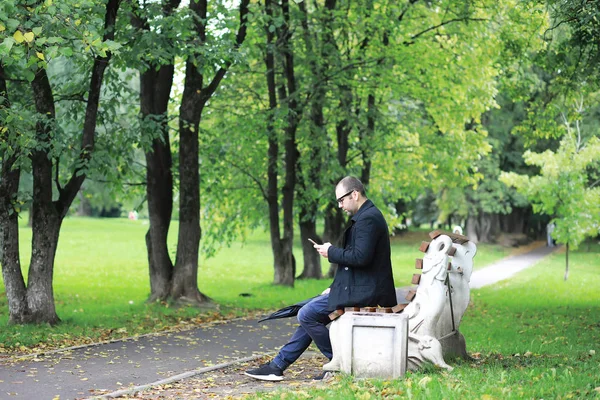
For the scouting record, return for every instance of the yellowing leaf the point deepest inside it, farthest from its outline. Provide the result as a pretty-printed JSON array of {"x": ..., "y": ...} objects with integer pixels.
[
  {"x": 78, "y": 22},
  {"x": 423, "y": 382},
  {"x": 18, "y": 36},
  {"x": 40, "y": 56},
  {"x": 29, "y": 36},
  {"x": 2, "y": 28}
]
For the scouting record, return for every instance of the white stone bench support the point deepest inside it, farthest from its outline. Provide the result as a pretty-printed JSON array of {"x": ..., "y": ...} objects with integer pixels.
[{"x": 370, "y": 345}]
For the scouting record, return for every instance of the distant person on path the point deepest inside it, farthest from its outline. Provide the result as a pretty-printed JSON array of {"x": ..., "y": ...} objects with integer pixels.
[
  {"x": 549, "y": 229},
  {"x": 363, "y": 278}
]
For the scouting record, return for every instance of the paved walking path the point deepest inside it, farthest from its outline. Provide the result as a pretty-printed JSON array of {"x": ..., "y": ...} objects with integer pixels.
[
  {"x": 88, "y": 371},
  {"x": 112, "y": 369},
  {"x": 507, "y": 267}
]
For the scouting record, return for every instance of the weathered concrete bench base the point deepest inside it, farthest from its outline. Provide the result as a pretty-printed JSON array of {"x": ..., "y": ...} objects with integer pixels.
[{"x": 370, "y": 345}]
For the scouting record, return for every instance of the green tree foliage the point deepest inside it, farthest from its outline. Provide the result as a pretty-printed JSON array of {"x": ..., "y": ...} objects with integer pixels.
[
  {"x": 37, "y": 37},
  {"x": 567, "y": 187},
  {"x": 392, "y": 92}
]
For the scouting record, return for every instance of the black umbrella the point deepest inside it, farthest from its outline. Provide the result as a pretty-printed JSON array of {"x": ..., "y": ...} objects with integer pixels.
[{"x": 288, "y": 311}]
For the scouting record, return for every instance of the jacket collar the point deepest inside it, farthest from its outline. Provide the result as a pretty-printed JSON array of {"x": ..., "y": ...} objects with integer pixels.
[{"x": 366, "y": 205}]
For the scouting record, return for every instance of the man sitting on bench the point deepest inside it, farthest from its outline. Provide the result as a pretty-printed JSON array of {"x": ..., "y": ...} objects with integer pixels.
[{"x": 363, "y": 278}]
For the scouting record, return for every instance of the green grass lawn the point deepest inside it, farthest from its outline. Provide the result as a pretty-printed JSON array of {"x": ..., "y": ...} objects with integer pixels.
[
  {"x": 535, "y": 337},
  {"x": 101, "y": 282}
]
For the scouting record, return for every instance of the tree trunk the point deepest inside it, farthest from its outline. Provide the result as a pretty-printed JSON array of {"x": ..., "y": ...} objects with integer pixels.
[
  {"x": 45, "y": 232},
  {"x": 494, "y": 227},
  {"x": 184, "y": 286},
  {"x": 472, "y": 229},
  {"x": 30, "y": 217},
  {"x": 85, "y": 208},
  {"x": 288, "y": 270},
  {"x": 283, "y": 259},
  {"x": 487, "y": 226},
  {"x": 334, "y": 216},
  {"x": 312, "y": 259},
  {"x": 185, "y": 278},
  {"x": 273, "y": 149},
  {"x": 365, "y": 138},
  {"x": 334, "y": 229},
  {"x": 567, "y": 262},
  {"x": 481, "y": 228},
  {"x": 310, "y": 173},
  {"x": 46, "y": 217},
  {"x": 401, "y": 209},
  {"x": 285, "y": 264},
  {"x": 16, "y": 292},
  {"x": 514, "y": 222},
  {"x": 159, "y": 192},
  {"x": 155, "y": 88}
]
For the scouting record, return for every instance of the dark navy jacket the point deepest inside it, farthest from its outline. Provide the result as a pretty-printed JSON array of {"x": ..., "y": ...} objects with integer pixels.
[{"x": 364, "y": 273}]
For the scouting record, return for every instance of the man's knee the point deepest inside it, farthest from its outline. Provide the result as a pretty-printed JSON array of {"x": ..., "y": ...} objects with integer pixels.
[
  {"x": 309, "y": 314},
  {"x": 305, "y": 315}
]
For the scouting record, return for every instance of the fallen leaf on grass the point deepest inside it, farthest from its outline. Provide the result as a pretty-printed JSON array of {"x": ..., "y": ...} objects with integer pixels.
[{"x": 423, "y": 382}]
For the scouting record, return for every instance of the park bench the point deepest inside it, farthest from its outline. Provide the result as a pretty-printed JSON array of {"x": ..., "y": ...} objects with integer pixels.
[{"x": 422, "y": 328}]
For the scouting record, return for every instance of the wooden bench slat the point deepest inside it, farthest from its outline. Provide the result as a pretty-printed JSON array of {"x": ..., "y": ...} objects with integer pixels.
[
  {"x": 399, "y": 307},
  {"x": 411, "y": 295},
  {"x": 424, "y": 246},
  {"x": 456, "y": 238},
  {"x": 419, "y": 263},
  {"x": 336, "y": 314},
  {"x": 434, "y": 234},
  {"x": 416, "y": 279}
]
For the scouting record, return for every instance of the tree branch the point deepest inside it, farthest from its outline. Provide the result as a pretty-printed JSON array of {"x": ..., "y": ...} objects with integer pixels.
[
  {"x": 252, "y": 177},
  {"x": 120, "y": 183},
  {"x": 443, "y": 24},
  {"x": 208, "y": 91},
  {"x": 73, "y": 97},
  {"x": 91, "y": 113},
  {"x": 401, "y": 16}
]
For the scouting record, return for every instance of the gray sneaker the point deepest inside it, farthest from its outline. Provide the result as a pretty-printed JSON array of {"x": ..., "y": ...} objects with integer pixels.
[{"x": 266, "y": 372}]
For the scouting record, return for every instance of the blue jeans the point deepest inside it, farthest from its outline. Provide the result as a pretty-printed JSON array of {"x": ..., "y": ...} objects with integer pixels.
[{"x": 313, "y": 319}]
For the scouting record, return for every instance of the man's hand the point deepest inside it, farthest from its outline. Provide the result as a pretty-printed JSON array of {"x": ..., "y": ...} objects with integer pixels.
[
  {"x": 322, "y": 248},
  {"x": 325, "y": 291}
]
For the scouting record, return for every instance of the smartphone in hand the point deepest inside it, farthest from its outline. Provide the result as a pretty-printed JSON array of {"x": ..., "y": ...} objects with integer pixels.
[{"x": 313, "y": 242}]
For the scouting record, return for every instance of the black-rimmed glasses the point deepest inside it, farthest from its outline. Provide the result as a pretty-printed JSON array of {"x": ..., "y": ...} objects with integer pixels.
[{"x": 340, "y": 200}]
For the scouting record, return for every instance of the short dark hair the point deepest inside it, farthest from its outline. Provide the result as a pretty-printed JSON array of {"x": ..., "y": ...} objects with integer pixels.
[{"x": 351, "y": 183}]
